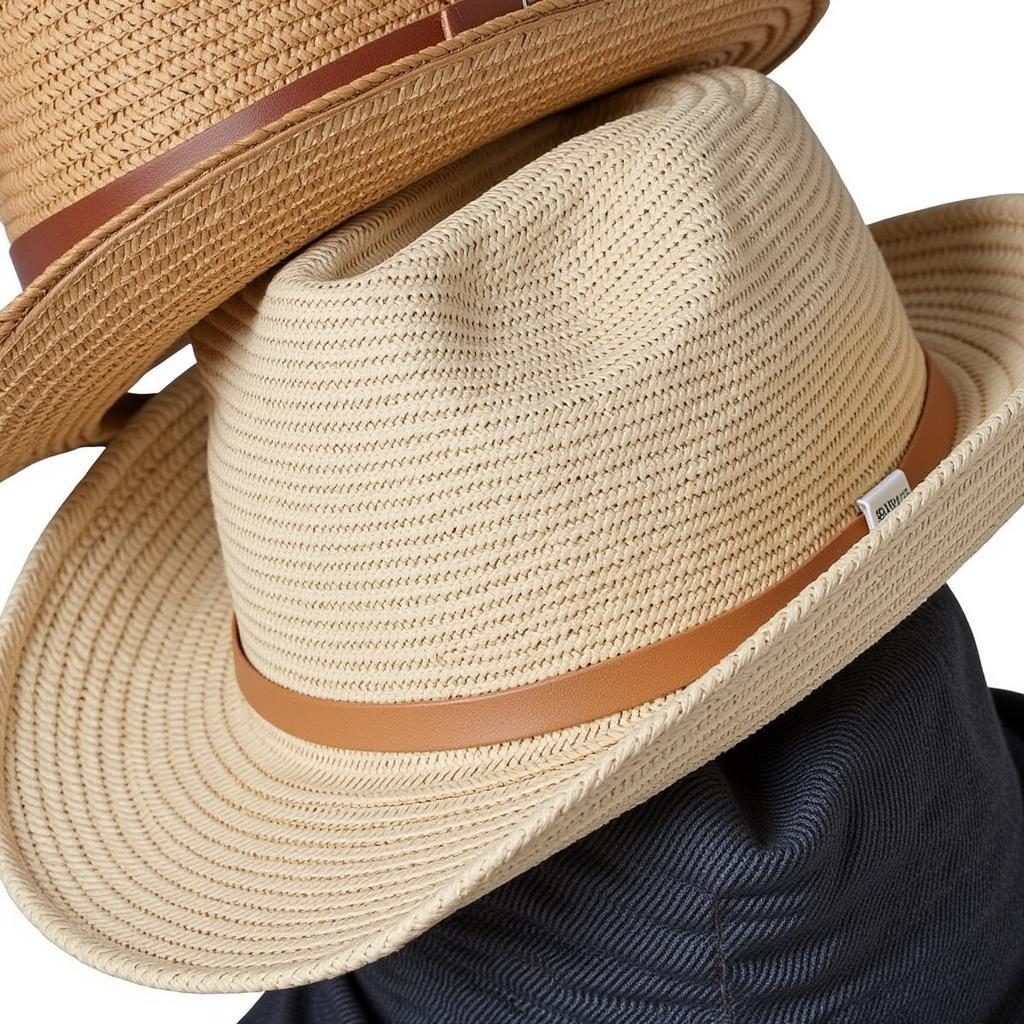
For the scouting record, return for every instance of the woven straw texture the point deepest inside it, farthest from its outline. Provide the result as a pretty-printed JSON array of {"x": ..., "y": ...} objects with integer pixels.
[
  {"x": 155, "y": 827},
  {"x": 91, "y": 91},
  {"x": 131, "y": 79},
  {"x": 466, "y": 444}
]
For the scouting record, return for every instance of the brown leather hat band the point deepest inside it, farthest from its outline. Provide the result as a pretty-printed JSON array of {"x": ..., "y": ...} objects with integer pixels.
[
  {"x": 589, "y": 693},
  {"x": 34, "y": 250}
]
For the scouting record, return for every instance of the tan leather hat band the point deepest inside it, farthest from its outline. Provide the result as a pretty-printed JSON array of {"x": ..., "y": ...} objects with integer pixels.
[
  {"x": 34, "y": 250},
  {"x": 589, "y": 693}
]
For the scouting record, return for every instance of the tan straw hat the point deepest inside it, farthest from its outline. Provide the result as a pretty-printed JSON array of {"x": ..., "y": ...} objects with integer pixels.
[
  {"x": 157, "y": 155},
  {"x": 532, "y": 489}
]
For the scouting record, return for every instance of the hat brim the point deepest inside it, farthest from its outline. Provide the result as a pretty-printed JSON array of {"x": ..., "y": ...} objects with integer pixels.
[
  {"x": 100, "y": 316},
  {"x": 155, "y": 827}
]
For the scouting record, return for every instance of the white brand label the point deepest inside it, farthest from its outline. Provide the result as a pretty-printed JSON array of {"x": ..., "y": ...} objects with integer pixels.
[{"x": 881, "y": 501}]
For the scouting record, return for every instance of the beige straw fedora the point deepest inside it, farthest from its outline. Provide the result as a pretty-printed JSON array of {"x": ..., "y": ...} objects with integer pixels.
[
  {"x": 156, "y": 156},
  {"x": 530, "y": 490}
]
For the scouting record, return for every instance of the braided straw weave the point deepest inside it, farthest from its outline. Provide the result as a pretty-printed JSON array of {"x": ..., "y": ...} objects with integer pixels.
[
  {"x": 594, "y": 383},
  {"x": 463, "y": 445},
  {"x": 90, "y": 91}
]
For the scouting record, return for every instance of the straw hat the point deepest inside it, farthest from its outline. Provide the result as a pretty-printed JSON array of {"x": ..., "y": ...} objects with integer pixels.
[
  {"x": 156, "y": 156},
  {"x": 531, "y": 490}
]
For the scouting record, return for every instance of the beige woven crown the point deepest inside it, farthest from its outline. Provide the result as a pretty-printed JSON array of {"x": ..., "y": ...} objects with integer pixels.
[{"x": 511, "y": 424}]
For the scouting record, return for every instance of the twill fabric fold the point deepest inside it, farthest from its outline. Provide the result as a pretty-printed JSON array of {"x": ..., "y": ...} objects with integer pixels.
[{"x": 858, "y": 861}]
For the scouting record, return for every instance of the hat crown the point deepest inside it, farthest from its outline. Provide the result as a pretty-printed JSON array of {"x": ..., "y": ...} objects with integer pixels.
[
  {"x": 89, "y": 92},
  {"x": 595, "y": 384}
]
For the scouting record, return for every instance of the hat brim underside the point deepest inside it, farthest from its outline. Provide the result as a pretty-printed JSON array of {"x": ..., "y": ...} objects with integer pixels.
[
  {"x": 100, "y": 316},
  {"x": 155, "y": 828}
]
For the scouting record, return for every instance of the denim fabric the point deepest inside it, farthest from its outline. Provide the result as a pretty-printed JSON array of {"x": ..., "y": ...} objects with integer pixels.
[{"x": 861, "y": 859}]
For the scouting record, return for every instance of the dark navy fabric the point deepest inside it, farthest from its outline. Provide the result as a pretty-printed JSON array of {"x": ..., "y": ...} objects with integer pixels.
[{"x": 859, "y": 860}]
